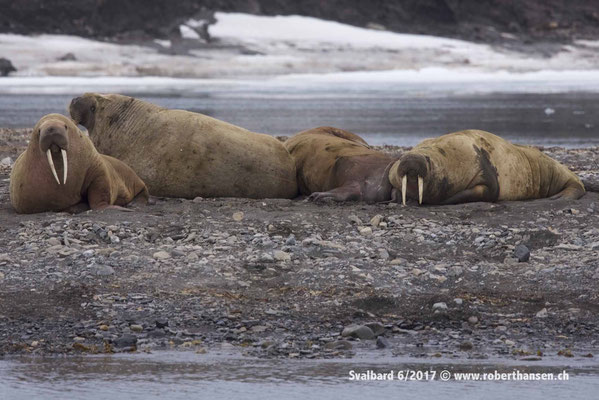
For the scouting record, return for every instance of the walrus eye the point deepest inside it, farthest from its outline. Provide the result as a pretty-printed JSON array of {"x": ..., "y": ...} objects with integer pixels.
[
  {"x": 93, "y": 108},
  {"x": 65, "y": 127}
]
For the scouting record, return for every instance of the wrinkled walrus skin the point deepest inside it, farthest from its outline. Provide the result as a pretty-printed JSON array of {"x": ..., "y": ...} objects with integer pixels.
[
  {"x": 61, "y": 169},
  {"x": 474, "y": 165},
  {"x": 184, "y": 154},
  {"x": 335, "y": 164}
]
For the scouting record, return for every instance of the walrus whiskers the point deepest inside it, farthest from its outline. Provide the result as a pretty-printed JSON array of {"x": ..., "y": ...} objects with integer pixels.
[
  {"x": 48, "y": 153},
  {"x": 65, "y": 165},
  {"x": 404, "y": 188},
  {"x": 420, "y": 189}
]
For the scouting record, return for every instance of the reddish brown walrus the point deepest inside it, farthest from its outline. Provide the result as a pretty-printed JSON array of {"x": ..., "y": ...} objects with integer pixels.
[
  {"x": 335, "y": 164},
  {"x": 474, "y": 165},
  {"x": 184, "y": 154},
  {"x": 59, "y": 149}
]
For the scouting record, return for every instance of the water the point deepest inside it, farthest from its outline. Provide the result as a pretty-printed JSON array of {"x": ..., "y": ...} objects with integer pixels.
[
  {"x": 184, "y": 375},
  {"x": 380, "y": 116}
]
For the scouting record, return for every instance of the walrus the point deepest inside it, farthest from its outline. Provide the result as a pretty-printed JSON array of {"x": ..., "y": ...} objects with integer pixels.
[
  {"x": 335, "y": 164},
  {"x": 474, "y": 165},
  {"x": 61, "y": 168},
  {"x": 184, "y": 154}
]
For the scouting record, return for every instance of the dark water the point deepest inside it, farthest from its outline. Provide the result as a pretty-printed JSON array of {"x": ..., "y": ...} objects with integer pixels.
[
  {"x": 564, "y": 119},
  {"x": 177, "y": 375}
]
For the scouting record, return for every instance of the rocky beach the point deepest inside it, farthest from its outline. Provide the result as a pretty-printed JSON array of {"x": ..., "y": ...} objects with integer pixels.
[{"x": 293, "y": 279}]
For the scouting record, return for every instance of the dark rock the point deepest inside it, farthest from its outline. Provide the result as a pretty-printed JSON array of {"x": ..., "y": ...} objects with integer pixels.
[
  {"x": 161, "y": 323},
  {"x": 382, "y": 342},
  {"x": 522, "y": 253},
  {"x": 466, "y": 346},
  {"x": 6, "y": 67},
  {"x": 67, "y": 57},
  {"x": 125, "y": 341}
]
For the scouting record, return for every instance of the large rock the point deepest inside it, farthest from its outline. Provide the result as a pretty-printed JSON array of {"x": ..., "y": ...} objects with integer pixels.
[
  {"x": 6, "y": 67},
  {"x": 358, "y": 331}
]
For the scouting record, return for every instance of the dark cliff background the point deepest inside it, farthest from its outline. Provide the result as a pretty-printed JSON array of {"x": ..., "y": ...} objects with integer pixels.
[{"x": 477, "y": 20}]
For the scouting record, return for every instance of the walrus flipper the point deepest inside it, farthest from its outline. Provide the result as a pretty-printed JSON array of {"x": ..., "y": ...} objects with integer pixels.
[
  {"x": 342, "y": 193},
  {"x": 573, "y": 191},
  {"x": 477, "y": 193}
]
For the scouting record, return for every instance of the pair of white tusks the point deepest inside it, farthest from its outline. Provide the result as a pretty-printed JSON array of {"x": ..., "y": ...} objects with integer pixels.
[
  {"x": 404, "y": 187},
  {"x": 65, "y": 165}
]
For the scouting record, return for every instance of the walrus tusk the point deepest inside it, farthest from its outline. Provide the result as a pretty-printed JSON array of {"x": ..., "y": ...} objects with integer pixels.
[
  {"x": 52, "y": 166},
  {"x": 420, "y": 189},
  {"x": 404, "y": 188},
  {"x": 65, "y": 165}
]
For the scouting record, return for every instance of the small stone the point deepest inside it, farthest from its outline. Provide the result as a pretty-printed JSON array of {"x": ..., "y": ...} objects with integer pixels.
[
  {"x": 473, "y": 320},
  {"x": 281, "y": 255},
  {"x": 522, "y": 253},
  {"x": 458, "y": 301},
  {"x": 358, "y": 331},
  {"x": 510, "y": 342},
  {"x": 103, "y": 327},
  {"x": 53, "y": 241},
  {"x": 67, "y": 57},
  {"x": 398, "y": 261},
  {"x": 6, "y": 67},
  {"x": 238, "y": 216},
  {"x": 198, "y": 199},
  {"x": 1, "y": 276},
  {"x": 455, "y": 271},
  {"x": 440, "y": 307},
  {"x": 136, "y": 328},
  {"x": 376, "y": 220},
  {"x": 79, "y": 339},
  {"x": 103, "y": 270},
  {"x": 88, "y": 253},
  {"x": 290, "y": 240},
  {"x": 161, "y": 255},
  {"x": 367, "y": 231},
  {"x": 382, "y": 343},
  {"x": 6, "y": 161},
  {"x": 542, "y": 314},
  {"x": 466, "y": 345}
]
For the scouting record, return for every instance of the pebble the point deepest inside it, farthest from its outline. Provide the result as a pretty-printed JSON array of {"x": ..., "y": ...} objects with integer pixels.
[
  {"x": 458, "y": 301},
  {"x": 542, "y": 314},
  {"x": 125, "y": 341},
  {"x": 281, "y": 255},
  {"x": 238, "y": 216},
  {"x": 7, "y": 161},
  {"x": 376, "y": 327},
  {"x": 382, "y": 343},
  {"x": 161, "y": 255},
  {"x": 440, "y": 307},
  {"x": 358, "y": 331},
  {"x": 522, "y": 253},
  {"x": 376, "y": 220},
  {"x": 367, "y": 231},
  {"x": 136, "y": 328},
  {"x": 103, "y": 270},
  {"x": 466, "y": 345},
  {"x": 473, "y": 320}
]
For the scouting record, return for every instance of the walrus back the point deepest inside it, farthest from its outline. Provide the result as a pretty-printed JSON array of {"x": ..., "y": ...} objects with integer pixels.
[{"x": 179, "y": 153}]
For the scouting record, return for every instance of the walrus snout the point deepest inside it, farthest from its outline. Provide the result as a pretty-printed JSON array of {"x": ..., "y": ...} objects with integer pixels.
[
  {"x": 412, "y": 167},
  {"x": 54, "y": 138}
]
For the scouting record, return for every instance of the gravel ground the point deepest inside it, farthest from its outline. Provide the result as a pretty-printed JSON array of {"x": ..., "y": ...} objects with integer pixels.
[{"x": 288, "y": 278}]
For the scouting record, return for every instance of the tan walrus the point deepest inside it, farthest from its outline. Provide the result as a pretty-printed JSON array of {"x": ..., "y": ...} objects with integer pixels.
[
  {"x": 474, "y": 165},
  {"x": 184, "y": 154},
  {"x": 57, "y": 151},
  {"x": 336, "y": 164}
]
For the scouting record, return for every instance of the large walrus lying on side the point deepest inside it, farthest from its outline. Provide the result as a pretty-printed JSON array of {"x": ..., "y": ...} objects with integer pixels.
[
  {"x": 474, "y": 165},
  {"x": 59, "y": 149},
  {"x": 336, "y": 164},
  {"x": 184, "y": 154}
]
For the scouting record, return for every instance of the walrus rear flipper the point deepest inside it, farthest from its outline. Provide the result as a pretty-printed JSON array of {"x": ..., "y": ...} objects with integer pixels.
[
  {"x": 477, "y": 193},
  {"x": 572, "y": 192}
]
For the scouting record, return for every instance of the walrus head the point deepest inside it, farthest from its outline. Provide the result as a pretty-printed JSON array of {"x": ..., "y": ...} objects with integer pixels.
[
  {"x": 410, "y": 171},
  {"x": 83, "y": 110},
  {"x": 53, "y": 141}
]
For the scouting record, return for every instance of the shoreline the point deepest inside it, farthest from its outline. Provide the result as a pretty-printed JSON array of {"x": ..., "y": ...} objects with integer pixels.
[{"x": 288, "y": 278}]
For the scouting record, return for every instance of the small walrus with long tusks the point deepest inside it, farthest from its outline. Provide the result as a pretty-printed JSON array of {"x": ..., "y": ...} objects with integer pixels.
[
  {"x": 57, "y": 151},
  {"x": 184, "y": 154},
  {"x": 474, "y": 165},
  {"x": 335, "y": 164}
]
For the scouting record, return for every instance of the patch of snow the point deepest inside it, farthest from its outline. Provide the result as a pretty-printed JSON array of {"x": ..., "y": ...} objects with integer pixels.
[
  {"x": 188, "y": 32},
  {"x": 164, "y": 43}
]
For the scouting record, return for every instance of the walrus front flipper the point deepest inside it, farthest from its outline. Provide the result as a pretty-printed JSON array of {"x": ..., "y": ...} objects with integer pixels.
[
  {"x": 343, "y": 193},
  {"x": 477, "y": 193}
]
